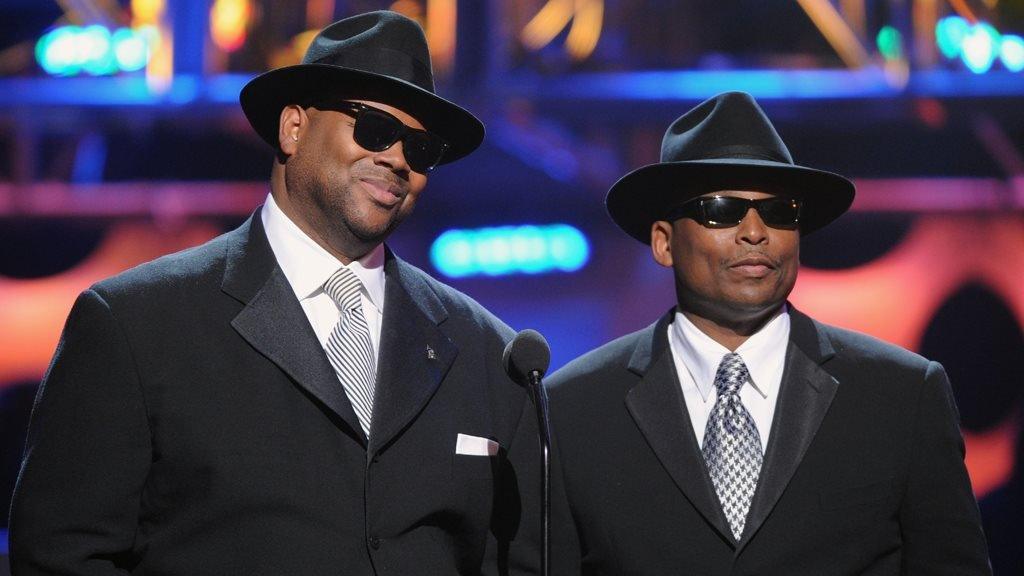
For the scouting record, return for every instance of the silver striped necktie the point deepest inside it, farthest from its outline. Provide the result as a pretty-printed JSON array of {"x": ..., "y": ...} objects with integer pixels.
[
  {"x": 732, "y": 446},
  {"x": 349, "y": 347}
]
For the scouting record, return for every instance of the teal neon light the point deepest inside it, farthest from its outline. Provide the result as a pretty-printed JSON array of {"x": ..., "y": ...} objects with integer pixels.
[
  {"x": 979, "y": 45},
  {"x": 1011, "y": 52},
  {"x": 94, "y": 50},
  {"x": 508, "y": 250}
]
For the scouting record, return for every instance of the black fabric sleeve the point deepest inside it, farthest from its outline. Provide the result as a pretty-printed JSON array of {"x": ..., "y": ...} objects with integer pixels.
[
  {"x": 939, "y": 519},
  {"x": 76, "y": 503}
]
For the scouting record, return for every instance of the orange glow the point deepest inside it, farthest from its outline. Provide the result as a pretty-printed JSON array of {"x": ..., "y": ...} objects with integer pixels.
[
  {"x": 229, "y": 21},
  {"x": 836, "y": 31},
  {"x": 587, "y": 17},
  {"x": 855, "y": 15},
  {"x": 319, "y": 13},
  {"x": 990, "y": 456},
  {"x": 925, "y": 14},
  {"x": 549, "y": 21},
  {"x": 33, "y": 323},
  {"x": 301, "y": 43},
  {"x": 160, "y": 69},
  {"x": 442, "y": 19},
  {"x": 894, "y": 298},
  {"x": 409, "y": 8},
  {"x": 296, "y": 49},
  {"x": 586, "y": 28},
  {"x": 146, "y": 12}
]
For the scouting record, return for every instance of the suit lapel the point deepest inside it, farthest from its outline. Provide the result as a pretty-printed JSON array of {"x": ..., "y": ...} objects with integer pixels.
[
  {"x": 656, "y": 404},
  {"x": 274, "y": 323},
  {"x": 414, "y": 354},
  {"x": 805, "y": 395}
]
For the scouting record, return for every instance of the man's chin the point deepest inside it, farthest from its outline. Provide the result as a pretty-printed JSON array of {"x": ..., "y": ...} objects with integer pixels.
[
  {"x": 373, "y": 234},
  {"x": 756, "y": 305}
]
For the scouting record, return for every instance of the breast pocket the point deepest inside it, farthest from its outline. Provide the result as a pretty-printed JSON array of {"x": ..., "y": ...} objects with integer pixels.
[
  {"x": 473, "y": 467},
  {"x": 475, "y": 457},
  {"x": 860, "y": 496}
]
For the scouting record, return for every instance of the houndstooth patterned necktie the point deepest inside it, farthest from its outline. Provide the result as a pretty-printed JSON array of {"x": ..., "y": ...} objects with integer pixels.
[
  {"x": 732, "y": 446},
  {"x": 349, "y": 347}
]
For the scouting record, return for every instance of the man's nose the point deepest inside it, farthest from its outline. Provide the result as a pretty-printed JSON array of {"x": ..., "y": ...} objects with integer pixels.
[
  {"x": 393, "y": 157},
  {"x": 752, "y": 230}
]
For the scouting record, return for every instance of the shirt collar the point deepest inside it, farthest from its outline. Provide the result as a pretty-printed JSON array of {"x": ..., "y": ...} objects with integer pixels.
[
  {"x": 701, "y": 355},
  {"x": 307, "y": 265}
]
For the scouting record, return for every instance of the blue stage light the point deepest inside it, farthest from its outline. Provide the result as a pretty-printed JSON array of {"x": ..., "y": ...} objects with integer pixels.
[
  {"x": 71, "y": 50},
  {"x": 56, "y": 51},
  {"x": 1011, "y": 52},
  {"x": 568, "y": 246},
  {"x": 507, "y": 250},
  {"x": 131, "y": 48},
  {"x": 980, "y": 47},
  {"x": 949, "y": 35},
  {"x": 97, "y": 56}
]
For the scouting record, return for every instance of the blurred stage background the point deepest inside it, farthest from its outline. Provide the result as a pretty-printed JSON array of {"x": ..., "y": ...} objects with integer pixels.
[{"x": 121, "y": 140}]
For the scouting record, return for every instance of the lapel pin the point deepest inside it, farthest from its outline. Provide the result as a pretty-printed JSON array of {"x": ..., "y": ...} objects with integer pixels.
[{"x": 431, "y": 355}]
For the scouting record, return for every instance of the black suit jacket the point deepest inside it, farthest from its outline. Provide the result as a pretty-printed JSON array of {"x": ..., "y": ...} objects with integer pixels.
[
  {"x": 191, "y": 424},
  {"x": 863, "y": 472}
]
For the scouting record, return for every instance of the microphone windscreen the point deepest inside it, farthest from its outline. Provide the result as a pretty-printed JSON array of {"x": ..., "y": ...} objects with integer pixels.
[{"x": 527, "y": 352}]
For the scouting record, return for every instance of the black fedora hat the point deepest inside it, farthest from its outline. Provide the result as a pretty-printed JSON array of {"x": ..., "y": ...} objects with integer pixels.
[
  {"x": 378, "y": 56},
  {"x": 725, "y": 143}
]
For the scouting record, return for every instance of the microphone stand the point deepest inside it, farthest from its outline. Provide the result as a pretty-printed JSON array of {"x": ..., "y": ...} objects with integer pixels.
[{"x": 540, "y": 401}]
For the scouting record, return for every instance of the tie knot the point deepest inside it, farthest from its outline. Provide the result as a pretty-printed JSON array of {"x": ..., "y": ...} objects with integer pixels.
[
  {"x": 732, "y": 374},
  {"x": 343, "y": 287}
]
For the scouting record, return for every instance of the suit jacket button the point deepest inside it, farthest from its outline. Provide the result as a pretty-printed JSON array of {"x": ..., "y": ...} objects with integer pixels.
[{"x": 374, "y": 542}]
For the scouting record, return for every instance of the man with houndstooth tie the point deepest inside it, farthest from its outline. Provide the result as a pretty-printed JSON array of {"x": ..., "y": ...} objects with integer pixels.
[{"x": 737, "y": 435}]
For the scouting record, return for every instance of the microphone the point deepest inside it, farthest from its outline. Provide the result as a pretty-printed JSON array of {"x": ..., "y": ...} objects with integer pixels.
[{"x": 526, "y": 359}]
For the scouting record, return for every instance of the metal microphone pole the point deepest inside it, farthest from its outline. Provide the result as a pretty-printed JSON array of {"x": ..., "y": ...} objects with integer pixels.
[
  {"x": 526, "y": 359},
  {"x": 540, "y": 401}
]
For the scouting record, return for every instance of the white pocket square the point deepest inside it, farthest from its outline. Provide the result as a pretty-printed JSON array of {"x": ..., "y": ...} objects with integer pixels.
[{"x": 475, "y": 446}]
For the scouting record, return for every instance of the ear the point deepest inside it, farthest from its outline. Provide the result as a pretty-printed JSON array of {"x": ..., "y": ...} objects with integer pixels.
[
  {"x": 661, "y": 242},
  {"x": 293, "y": 121}
]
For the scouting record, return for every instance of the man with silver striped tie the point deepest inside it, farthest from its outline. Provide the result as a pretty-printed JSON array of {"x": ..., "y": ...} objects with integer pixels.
[{"x": 291, "y": 397}]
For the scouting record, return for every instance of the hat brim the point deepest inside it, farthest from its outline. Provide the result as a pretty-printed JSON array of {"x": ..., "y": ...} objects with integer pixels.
[
  {"x": 646, "y": 194},
  {"x": 264, "y": 97}
]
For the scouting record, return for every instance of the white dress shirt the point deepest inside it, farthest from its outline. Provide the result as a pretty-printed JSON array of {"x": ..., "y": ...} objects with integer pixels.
[
  {"x": 697, "y": 357},
  {"x": 307, "y": 265}
]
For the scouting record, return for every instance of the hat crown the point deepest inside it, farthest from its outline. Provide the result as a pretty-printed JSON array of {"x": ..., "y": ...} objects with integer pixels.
[
  {"x": 729, "y": 126},
  {"x": 381, "y": 42},
  {"x": 378, "y": 56},
  {"x": 724, "y": 143}
]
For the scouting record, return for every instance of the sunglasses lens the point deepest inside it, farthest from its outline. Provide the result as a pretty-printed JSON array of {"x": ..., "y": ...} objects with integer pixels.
[
  {"x": 376, "y": 131},
  {"x": 423, "y": 150},
  {"x": 728, "y": 211},
  {"x": 723, "y": 211},
  {"x": 779, "y": 212}
]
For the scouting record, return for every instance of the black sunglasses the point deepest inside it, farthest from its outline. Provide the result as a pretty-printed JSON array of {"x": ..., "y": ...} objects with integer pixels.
[
  {"x": 729, "y": 211},
  {"x": 376, "y": 131}
]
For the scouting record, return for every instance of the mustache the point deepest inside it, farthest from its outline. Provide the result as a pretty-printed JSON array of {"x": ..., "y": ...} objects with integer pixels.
[
  {"x": 756, "y": 256},
  {"x": 391, "y": 179}
]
